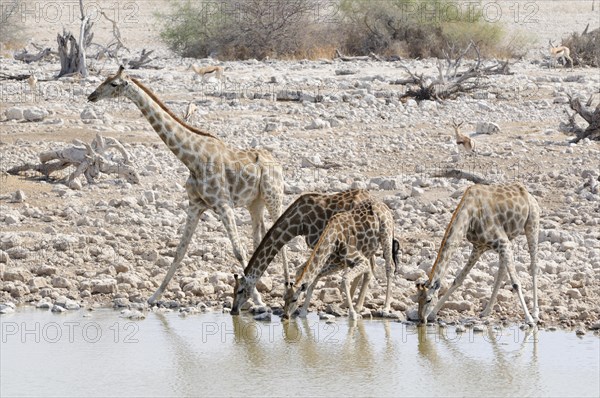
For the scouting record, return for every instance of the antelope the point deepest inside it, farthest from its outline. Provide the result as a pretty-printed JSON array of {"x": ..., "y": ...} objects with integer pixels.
[
  {"x": 464, "y": 143},
  {"x": 559, "y": 52}
]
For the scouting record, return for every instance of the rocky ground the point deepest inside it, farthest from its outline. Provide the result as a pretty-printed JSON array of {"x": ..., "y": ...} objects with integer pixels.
[{"x": 111, "y": 243}]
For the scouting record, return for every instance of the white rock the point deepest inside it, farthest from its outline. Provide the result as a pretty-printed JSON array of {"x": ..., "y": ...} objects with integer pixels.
[
  {"x": 330, "y": 295},
  {"x": 416, "y": 192},
  {"x": 326, "y": 317},
  {"x": 87, "y": 114},
  {"x": 14, "y": 113},
  {"x": 105, "y": 286},
  {"x": 58, "y": 308},
  {"x": 411, "y": 103},
  {"x": 11, "y": 219},
  {"x": 19, "y": 196},
  {"x": 265, "y": 316},
  {"x": 34, "y": 114},
  {"x": 487, "y": 128},
  {"x": 264, "y": 284},
  {"x": 318, "y": 124},
  {"x": 568, "y": 246},
  {"x": 311, "y": 161}
]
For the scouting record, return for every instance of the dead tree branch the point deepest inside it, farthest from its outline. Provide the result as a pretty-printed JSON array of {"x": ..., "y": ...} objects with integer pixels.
[
  {"x": 462, "y": 175},
  {"x": 340, "y": 57},
  {"x": 451, "y": 80},
  {"x": 143, "y": 59},
  {"x": 88, "y": 159},
  {"x": 114, "y": 45},
  {"x": 29, "y": 58},
  {"x": 592, "y": 117}
]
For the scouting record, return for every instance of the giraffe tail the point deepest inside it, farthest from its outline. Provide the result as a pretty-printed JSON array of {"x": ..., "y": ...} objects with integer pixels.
[{"x": 395, "y": 250}]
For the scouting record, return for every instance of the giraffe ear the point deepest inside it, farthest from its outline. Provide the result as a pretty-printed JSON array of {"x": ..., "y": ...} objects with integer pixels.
[
  {"x": 436, "y": 285},
  {"x": 303, "y": 287}
]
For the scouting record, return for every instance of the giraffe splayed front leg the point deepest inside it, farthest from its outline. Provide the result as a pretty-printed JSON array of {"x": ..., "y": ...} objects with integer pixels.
[
  {"x": 193, "y": 216},
  {"x": 490, "y": 216}
]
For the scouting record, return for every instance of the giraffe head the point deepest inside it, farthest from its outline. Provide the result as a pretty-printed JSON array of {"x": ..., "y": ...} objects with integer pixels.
[
  {"x": 427, "y": 297},
  {"x": 241, "y": 292},
  {"x": 114, "y": 86},
  {"x": 291, "y": 298}
]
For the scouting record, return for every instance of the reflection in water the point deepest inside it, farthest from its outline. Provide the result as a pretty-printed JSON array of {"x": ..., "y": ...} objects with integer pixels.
[
  {"x": 220, "y": 355},
  {"x": 185, "y": 357},
  {"x": 514, "y": 369}
]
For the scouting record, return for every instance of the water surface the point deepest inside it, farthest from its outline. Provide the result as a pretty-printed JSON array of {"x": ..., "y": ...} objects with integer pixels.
[{"x": 46, "y": 354}]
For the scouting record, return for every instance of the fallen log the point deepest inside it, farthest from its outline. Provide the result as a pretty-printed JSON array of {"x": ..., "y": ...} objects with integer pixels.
[
  {"x": 28, "y": 58},
  {"x": 462, "y": 175},
  {"x": 87, "y": 159}
]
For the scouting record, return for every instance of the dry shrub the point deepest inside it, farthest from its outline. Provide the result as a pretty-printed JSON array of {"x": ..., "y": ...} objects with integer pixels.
[
  {"x": 585, "y": 47},
  {"x": 11, "y": 25},
  {"x": 415, "y": 28},
  {"x": 233, "y": 29}
]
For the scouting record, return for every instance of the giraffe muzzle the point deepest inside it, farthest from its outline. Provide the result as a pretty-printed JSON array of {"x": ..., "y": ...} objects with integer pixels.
[{"x": 93, "y": 97}]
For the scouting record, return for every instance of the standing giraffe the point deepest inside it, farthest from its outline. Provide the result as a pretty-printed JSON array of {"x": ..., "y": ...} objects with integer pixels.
[
  {"x": 348, "y": 241},
  {"x": 221, "y": 178},
  {"x": 307, "y": 216},
  {"x": 491, "y": 216}
]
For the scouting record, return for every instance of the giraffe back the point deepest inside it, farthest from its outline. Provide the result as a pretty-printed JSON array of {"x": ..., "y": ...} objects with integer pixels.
[
  {"x": 495, "y": 208},
  {"x": 362, "y": 228}
]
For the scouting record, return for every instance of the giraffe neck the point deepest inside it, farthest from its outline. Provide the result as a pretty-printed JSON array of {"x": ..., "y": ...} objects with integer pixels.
[
  {"x": 181, "y": 139},
  {"x": 452, "y": 237},
  {"x": 320, "y": 254},
  {"x": 288, "y": 226}
]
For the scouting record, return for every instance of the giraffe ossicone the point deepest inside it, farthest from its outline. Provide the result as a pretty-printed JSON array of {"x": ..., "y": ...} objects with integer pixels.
[{"x": 221, "y": 178}]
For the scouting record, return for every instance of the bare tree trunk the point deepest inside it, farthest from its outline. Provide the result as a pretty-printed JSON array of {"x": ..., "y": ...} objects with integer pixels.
[
  {"x": 84, "y": 21},
  {"x": 72, "y": 53}
]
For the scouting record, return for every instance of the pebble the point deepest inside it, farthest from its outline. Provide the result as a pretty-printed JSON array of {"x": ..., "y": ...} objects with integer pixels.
[
  {"x": 58, "y": 308},
  {"x": 7, "y": 308},
  {"x": 326, "y": 317},
  {"x": 264, "y": 316}
]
